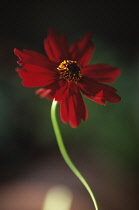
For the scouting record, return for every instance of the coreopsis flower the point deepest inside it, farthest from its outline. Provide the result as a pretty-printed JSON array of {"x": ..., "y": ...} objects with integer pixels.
[{"x": 64, "y": 75}]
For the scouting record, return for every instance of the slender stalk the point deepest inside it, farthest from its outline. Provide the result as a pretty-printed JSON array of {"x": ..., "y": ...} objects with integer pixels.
[{"x": 65, "y": 154}]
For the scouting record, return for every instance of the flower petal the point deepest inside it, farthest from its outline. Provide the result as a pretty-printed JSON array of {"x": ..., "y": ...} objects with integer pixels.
[
  {"x": 59, "y": 91},
  {"x": 56, "y": 46},
  {"x": 64, "y": 111},
  {"x": 82, "y": 50},
  {"x": 35, "y": 58},
  {"x": 56, "y": 90},
  {"x": 73, "y": 108},
  {"x": 39, "y": 69},
  {"x": 98, "y": 92},
  {"x": 35, "y": 79},
  {"x": 101, "y": 72},
  {"x": 98, "y": 98}
]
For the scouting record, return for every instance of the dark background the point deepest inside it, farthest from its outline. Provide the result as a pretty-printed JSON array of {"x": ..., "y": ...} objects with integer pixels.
[{"x": 105, "y": 147}]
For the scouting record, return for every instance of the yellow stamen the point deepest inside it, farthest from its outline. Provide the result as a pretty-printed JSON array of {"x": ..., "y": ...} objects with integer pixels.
[{"x": 70, "y": 71}]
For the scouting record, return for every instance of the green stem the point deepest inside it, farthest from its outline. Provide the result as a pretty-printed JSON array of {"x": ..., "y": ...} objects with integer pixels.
[{"x": 65, "y": 154}]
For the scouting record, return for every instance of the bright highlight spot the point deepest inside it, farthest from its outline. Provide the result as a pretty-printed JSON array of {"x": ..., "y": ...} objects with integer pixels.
[{"x": 58, "y": 198}]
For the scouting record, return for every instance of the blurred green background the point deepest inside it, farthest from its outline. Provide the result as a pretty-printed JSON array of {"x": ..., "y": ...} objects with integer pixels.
[{"x": 111, "y": 134}]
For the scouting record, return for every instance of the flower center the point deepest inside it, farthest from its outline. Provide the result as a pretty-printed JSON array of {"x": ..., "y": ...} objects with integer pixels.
[{"x": 70, "y": 71}]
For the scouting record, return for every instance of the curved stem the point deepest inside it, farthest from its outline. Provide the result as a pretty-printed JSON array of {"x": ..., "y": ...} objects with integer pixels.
[{"x": 65, "y": 154}]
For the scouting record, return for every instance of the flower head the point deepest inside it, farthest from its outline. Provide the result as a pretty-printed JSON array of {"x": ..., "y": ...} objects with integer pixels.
[{"x": 64, "y": 74}]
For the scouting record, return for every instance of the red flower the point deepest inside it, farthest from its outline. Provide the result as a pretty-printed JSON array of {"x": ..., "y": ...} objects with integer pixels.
[{"x": 64, "y": 75}]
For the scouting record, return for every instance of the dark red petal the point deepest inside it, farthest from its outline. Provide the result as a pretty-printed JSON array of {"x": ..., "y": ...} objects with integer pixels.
[
  {"x": 35, "y": 58},
  {"x": 56, "y": 90},
  {"x": 101, "y": 72},
  {"x": 64, "y": 47},
  {"x": 35, "y": 79},
  {"x": 22, "y": 56},
  {"x": 77, "y": 109},
  {"x": 64, "y": 111},
  {"x": 98, "y": 92},
  {"x": 43, "y": 92},
  {"x": 86, "y": 56},
  {"x": 60, "y": 92},
  {"x": 106, "y": 80},
  {"x": 98, "y": 98},
  {"x": 73, "y": 108},
  {"x": 39, "y": 69},
  {"x": 56, "y": 46},
  {"x": 82, "y": 50}
]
